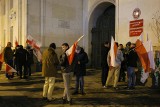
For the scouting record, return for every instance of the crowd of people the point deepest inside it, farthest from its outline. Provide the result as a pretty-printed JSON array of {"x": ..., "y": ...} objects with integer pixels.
[
  {"x": 20, "y": 59},
  {"x": 50, "y": 64},
  {"x": 125, "y": 61}
]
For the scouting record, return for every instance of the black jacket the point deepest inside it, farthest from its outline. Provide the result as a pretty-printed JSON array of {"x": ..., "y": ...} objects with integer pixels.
[
  {"x": 20, "y": 56},
  {"x": 104, "y": 54},
  {"x": 132, "y": 58},
  {"x": 64, "y": 63},
  {"x": 80, "y": 69}
]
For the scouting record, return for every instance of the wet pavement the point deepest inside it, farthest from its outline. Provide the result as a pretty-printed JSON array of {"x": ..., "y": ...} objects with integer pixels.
[{"x": 28, "y": 93}]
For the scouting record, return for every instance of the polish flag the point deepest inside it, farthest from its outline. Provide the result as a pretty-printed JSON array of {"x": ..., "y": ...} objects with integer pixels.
[
  {"x": 71, "y": 51},
  {"x": 113, "y": 53},
  {"x": 9, "y": 69},
  {"x": 1, "y": 60},
  {"x": 36, "y": 47},
  {"x": 1, "y": 57},
  {"x": 16, "y": 42},
  {"x": 38, "y": 54},
  {"x": 145, "y": 53},
  {"x": 29, "y": 40},
  {"x": 32, "y": 42}
]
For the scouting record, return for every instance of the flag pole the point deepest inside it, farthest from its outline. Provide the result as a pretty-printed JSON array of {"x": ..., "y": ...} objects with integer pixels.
[{"x": 80, "y": 38}]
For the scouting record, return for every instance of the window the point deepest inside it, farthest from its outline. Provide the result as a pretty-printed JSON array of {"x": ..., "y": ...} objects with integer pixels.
[
  {"x": 11, "y": 4},
  {"x": 11, "y": 33}
]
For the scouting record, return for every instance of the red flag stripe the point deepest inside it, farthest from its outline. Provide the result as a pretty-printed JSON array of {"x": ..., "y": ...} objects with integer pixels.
[
  {"x": 143, "y": 55},
  {"x": 1, "y": 57},
  {"x": 71, "y": 56}
]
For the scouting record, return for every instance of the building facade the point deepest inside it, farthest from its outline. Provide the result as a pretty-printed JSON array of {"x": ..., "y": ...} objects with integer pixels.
[{"x": 66, "y": 20}]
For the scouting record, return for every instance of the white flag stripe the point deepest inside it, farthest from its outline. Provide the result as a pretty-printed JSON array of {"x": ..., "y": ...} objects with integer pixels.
[
  {"x": 69, "y": 51},
  {"x": 112, "y": 53},
  {"x": 11, "y": 69},
  {"x": 149, "y": 49}
]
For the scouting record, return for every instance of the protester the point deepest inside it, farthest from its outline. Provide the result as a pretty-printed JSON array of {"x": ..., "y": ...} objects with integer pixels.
[
  {"x": 80, "y": 61},
  {"x": 21, "y": 61},
  {"x": 49, "y": 70},
  {"x": 105, "y": 68},
  {"x": 132, "y": 59},
  {"x": 15, "y": 60},
  {"x": 8, "y": 58},
  {"x": 66, "y": 74},
  {"x": 122, "y": 76},
  {"x": 29, "y": 59},
  {"x": 114, "y": 70}
]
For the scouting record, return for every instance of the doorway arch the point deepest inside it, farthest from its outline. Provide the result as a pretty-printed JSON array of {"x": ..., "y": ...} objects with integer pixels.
[{"x": 101, "y": 28}]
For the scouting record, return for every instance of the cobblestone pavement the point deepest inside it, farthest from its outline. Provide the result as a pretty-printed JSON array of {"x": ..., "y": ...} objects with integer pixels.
[{"x": 28, "y": 93}]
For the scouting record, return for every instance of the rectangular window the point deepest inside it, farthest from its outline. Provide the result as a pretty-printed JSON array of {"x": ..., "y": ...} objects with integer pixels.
[
  {"x": 11, "y": 4},
  {"x": 11, "y": 34},
  {"x": 4, "y": 7},
  {"x": 4, "y": 38}
]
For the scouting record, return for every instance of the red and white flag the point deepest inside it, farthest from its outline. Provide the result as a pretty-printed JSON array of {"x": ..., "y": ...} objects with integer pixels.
[
  {"x": 32, "y": 42},
  {"x": 1, "y": 57},
  {"x": 1, "y": 60},
  {"x": 9, "y": 69},
  {"x": 113, "y": 53},
  {"x": 145, "y": 53},
  {"x": 16, "y": 42},
  {"x": 71, "y": 51},
  {"x": 38, "y": 54},
  {"x": 36, "y": 46}
]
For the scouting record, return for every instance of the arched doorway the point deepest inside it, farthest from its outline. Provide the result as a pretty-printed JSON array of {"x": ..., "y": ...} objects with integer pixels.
[{"x": 102, "y": 31}]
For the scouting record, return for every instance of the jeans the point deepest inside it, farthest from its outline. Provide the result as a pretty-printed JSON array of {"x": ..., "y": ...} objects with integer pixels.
[
  {"x": 67, "y": 80},
  {"x": 131, "y": 77},
  {"x": 79, "y": 82}
]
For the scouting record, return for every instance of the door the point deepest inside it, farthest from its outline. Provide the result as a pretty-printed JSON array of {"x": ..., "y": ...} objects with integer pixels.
[{"x": 105, "y": 28}]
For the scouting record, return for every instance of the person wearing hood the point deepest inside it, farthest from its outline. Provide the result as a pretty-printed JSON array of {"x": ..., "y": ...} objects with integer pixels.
[
  {"x": 80, "y": 61},
  {"x": 49, "y": 70}
]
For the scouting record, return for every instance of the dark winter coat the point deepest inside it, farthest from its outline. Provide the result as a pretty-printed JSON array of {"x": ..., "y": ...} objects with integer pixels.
[
  {"x": 30, "y": 56},
  {"x": 80, "y": 69},
  {"x": 8, "y": 54},
  {"x": 132, "y": 58},
  {"x": 20, "y": 56},
  {"x": 104, "y": 54},
  {"x": 64, "y": 63}
]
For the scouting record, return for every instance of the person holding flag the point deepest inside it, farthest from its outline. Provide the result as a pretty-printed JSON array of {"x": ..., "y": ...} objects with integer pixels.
[
  {"x": 8, "y": 58},
  {"x": 66, "y": 74},
  {"x": 80, "y": 61},
  {"x": 66, "y": 63},
  {"x": 114, "y": 59}
]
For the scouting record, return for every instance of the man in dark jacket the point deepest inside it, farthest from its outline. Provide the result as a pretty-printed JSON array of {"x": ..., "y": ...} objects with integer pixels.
[
  {"x": 29, "y": 59},
  {"x": 21, "y": 59},
  {"x": 80, "y": 61},
  {"x": 105, "y": 68},
  {"x": 66, "y": 74},
  {"x": 132, "y": 59},
  {"x": 8, "y": 58}
]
